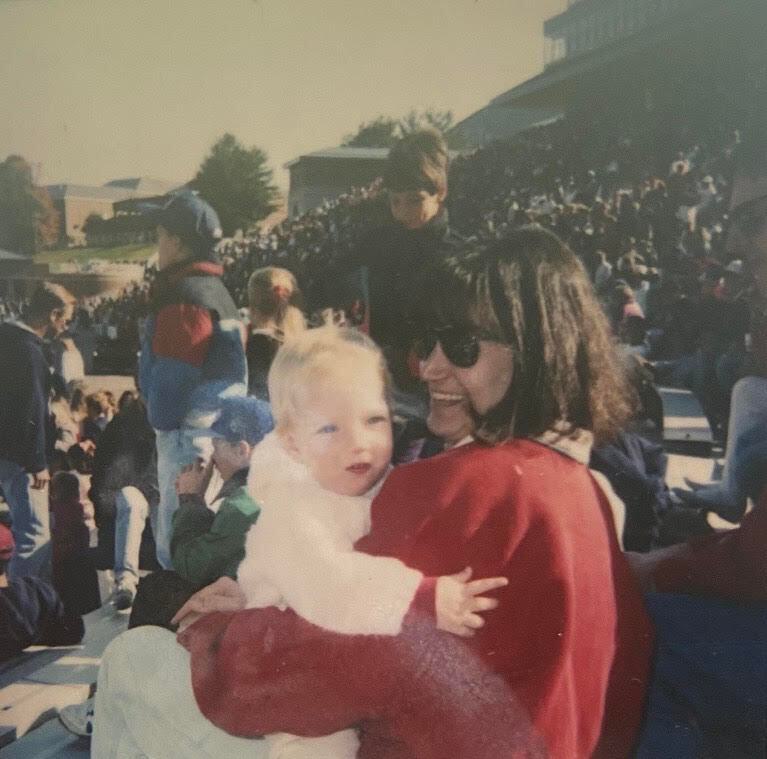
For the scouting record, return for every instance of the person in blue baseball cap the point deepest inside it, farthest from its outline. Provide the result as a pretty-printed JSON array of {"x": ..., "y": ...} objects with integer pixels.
[
  {"x": 194, "y": 222},
  {"x": 193, "y": 351},
  {"x": 207, "y": 545}
]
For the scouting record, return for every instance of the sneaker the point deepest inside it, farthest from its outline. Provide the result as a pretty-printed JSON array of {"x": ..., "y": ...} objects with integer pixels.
[
  {"x": 78, "y": 718},
  {"x": 123, "y": 598}
]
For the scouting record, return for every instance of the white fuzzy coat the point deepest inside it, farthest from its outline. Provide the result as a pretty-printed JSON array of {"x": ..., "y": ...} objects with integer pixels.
[{"x": 300, "y": 552}]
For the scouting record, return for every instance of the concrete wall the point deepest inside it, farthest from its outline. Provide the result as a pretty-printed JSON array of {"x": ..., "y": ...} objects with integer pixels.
[{"x": 74, "y": 212}]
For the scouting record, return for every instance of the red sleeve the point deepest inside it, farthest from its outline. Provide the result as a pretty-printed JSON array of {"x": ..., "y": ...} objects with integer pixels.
[
  {"x": 729, "y": 565},
  {"x": 183, "y": 332},
  {"x": 262, "y": 671}
]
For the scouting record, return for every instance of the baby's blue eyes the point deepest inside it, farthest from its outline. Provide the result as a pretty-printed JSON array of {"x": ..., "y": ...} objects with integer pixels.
[{"x": 328, "y": 429}]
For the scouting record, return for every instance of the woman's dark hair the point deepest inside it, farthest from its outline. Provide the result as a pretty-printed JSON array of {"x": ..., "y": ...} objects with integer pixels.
[{"x": 531, "y": 292}]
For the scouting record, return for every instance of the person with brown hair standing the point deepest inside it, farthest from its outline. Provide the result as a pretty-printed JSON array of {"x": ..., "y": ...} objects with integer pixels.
[
  {"x": 24, "y": 422},
  {"x": 386, "y": 263}
]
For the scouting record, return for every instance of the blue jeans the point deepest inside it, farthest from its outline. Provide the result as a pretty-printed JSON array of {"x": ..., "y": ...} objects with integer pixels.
[
  {"x": 31, "y": 522},
  {"x": 175, "y": 450},
  {"x": 708, "y": 693}
]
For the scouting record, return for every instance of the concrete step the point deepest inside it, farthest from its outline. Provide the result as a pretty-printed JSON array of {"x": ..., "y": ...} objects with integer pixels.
[
  {"x": 41, "y": 681},
  {"x": 49, "y": 741},
  {"x": 25, "y": 705},
  {"x": 683, "y": 418}
]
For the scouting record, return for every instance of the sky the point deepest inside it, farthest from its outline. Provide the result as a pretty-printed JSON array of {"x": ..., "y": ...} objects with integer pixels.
[{"x": 93, "y": 90}]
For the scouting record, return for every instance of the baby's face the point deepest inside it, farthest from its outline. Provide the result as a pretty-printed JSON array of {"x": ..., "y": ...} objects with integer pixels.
[{"x": 342, "y": 431}]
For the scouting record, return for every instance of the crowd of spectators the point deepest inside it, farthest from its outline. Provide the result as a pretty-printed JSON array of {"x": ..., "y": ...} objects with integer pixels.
[{"x": 649, "y": 229}]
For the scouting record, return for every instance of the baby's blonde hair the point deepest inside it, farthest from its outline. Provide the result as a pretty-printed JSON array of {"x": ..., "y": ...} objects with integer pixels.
[{"x": 311, "y": 356}]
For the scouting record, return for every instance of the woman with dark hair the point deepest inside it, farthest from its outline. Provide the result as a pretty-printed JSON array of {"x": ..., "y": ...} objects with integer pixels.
[{"x": 519, "y": 365}]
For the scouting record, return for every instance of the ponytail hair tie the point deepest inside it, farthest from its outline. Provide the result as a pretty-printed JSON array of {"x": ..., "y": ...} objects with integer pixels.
[{"x": 281, "y": 292}]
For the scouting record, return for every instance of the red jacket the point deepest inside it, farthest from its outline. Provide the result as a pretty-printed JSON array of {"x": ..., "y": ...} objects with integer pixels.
[
  {"x": 728, "y": 565},
  {"x": 570, "y": 626}
]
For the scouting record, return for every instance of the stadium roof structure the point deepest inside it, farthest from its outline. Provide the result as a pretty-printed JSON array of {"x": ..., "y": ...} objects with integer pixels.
[
  {"x": 144, "y": 186},
  {"x": 344, "y": 153},
  {"x": 115, "y": 190},
  {"x": 552, "y": 88},
  {"x": 499, "y": 122},
  {"x": 62, "y": 191}
]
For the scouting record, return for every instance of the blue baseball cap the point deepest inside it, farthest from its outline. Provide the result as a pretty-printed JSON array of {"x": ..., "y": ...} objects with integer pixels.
[
  {"x": 248, "y": 419},
  {"x": 191, "y": 218}
]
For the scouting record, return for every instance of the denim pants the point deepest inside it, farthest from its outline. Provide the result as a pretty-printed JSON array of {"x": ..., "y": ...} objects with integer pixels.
[
  {"x": 175, "y": 450},
  {"x": 132, "y": 510},
  {"x": 31, "y": 522},
  {"x": 748, "y": 415},
  {"x": 708, "y": 693}
]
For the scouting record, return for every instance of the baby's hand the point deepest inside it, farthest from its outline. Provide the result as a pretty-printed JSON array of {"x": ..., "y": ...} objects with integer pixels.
[{"x": 458, "y": 601}]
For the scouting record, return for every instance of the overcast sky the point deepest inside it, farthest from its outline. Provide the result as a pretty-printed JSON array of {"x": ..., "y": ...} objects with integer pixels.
[{"x": 93, "y": 90}]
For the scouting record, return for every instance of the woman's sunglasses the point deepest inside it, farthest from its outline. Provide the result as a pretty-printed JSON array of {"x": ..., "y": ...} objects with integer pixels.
[{"x": 459, "y": 344}]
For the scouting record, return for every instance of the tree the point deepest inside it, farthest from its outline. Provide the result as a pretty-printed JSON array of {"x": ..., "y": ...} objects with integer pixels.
[
  {"x": 237, "y": 182},
  {"x": 28, "y": 220},
  {"x": 383, "y": 132},
  {"x": 48, "y": 229}
]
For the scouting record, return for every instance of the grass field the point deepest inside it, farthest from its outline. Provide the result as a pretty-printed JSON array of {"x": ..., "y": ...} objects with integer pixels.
[{"x": 131, "y": 253}]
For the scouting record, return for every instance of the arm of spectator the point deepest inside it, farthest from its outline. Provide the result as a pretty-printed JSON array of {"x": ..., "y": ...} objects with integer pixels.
[
  {"x": 262, "y": 671},
  {"x": 34, "y": 409},
  {"x": 727, "y": 565}
]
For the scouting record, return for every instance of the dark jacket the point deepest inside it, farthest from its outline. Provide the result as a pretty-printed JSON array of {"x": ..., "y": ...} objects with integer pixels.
[
  {"x": 24, "y": 387},
  {"x": 384, "y": 272},
  {"x": 125, "y": 456},
  {"x": 260, "y": 351},
  {"x": 31, "y": 612}
]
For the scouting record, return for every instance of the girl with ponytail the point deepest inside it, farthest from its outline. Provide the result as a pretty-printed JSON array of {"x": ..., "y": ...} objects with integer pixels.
[{"x": 276, "y": 313}]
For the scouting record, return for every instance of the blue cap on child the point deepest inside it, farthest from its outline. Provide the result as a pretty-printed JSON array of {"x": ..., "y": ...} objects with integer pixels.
[{"x": 248, "y": 419}]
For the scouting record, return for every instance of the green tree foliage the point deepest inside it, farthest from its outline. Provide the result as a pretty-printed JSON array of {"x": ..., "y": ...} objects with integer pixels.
[
  {"x": 237, "y": 182},
  {"x": 28, "y": 219},
  {"x": 383, "y": 132}
]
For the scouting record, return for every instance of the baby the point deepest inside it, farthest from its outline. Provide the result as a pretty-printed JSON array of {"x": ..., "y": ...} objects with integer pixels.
[{"x": 315, "y": 477}]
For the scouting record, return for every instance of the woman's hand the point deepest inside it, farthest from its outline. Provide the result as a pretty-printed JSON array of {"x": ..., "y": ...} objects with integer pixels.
[
  {"x": 458, "y": 602},
  {"x": 222, "y": 595}
]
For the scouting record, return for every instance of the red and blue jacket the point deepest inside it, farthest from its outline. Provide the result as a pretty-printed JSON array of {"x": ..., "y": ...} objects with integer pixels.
[{"x": 193, "y": 351}]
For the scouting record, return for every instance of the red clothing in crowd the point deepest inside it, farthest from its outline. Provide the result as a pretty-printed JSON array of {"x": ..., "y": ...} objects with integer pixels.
[
  {"x": 726, "y": 565},
  {"x": 570, "y": 627}
]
